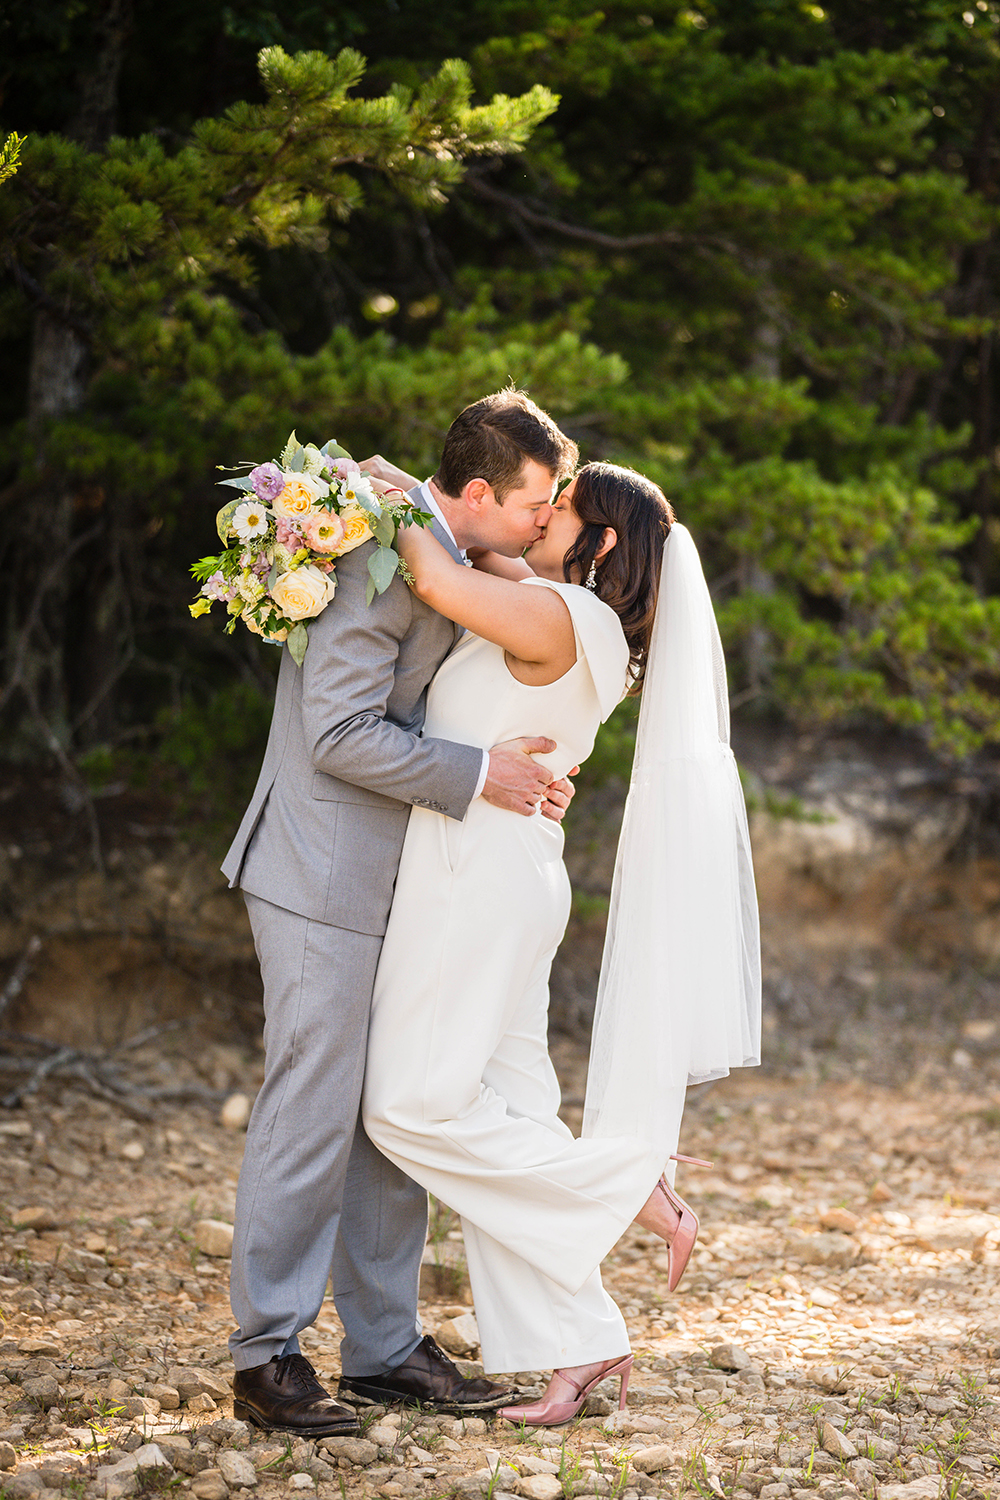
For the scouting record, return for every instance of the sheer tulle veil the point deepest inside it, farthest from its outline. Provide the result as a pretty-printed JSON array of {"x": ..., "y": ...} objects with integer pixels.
[{"x": 679, "y": 995}]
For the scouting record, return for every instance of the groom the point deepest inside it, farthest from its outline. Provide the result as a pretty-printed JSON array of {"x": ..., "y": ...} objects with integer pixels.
[{"x": 316, "y": 857}]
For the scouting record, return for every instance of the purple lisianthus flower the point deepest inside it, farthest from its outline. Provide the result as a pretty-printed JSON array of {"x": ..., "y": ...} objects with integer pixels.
[{"x": 267, "y": 480}]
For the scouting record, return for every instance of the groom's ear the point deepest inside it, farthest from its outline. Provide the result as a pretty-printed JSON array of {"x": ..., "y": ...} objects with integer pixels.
[{"x": 477, "y": 494}]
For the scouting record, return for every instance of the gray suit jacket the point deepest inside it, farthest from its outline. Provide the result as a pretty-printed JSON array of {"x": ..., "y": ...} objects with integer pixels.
[{"x": 344, "y": 760}]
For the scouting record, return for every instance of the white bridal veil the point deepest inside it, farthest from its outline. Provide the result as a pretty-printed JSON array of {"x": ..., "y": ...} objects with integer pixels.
[{"x": 679, "y": 995}]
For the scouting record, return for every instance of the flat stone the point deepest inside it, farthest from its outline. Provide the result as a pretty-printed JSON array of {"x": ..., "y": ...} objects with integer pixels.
[
  {"x": 730, "y": 1357},
  {"x": 531, "y": 1465},
  {"x": 361, "y": 1451},
  {"x": 47, "y": 1348},
  {"x": 203, "y": 1402},
  {"x": 301, "y": 1482},
  {"x": 652, "y": 1460},
  {"x": 35, "y": 1217},
  {"x": 927, "y": 1488},
  {"x": 42, "y": 1388},
  {"x": 832, "y": 1378},
  {"x": 459, "y": 1335},
  {"x": 214, "y": 1237},
  {"x": 539, "y": 1487},
  {"x": 133, "y": 1151},
  {"x": 167, "y": 1395},
  {"x": 236, "y": 1469},
  {"x": 965, "y": 1233},
  {"x": 235, "y": 1113},
  {"x": 823, "y": 1249},
  {"x": 840, "y": 1218},
  {"x": 189, "y": 1381},
  {"x": 835, "y": 1442},
  {"x": 27, "y": 1485},
  {"x": 209, "y": 1485},
  {"x": 8, "y": 1455},
  {"x": 68, "y": 1163}
]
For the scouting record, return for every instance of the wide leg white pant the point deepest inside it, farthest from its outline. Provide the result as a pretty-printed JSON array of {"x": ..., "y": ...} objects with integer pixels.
[{"x": 461, "y": 1094}]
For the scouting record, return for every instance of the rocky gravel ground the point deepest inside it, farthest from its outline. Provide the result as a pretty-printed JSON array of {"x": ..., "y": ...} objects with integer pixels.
[{"x": 838, "y": 1332}]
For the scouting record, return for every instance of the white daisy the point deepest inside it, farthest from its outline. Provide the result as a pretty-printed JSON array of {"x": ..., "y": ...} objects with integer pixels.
[{"x": 249, "y": 520}]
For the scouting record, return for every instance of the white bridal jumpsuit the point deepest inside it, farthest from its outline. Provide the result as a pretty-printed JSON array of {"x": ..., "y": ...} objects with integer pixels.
[{"x": 459, "y": 1090}]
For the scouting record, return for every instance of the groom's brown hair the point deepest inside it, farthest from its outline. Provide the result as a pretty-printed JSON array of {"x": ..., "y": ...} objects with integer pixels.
[{"x": 492, "y": 438}]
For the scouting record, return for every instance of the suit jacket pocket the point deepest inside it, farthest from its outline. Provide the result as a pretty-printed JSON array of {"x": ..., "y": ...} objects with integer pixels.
[
  {"x": 365, "y": 862},
  {"x": 331, "y": 789}
]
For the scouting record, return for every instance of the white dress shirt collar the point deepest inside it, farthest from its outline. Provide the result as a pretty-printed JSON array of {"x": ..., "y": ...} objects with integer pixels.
[{"x": 428, "y": 502}]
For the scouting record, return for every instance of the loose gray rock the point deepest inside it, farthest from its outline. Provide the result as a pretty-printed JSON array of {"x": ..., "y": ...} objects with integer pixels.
[
  {"x": 836, "y": 1443},
  {"x": 209, "y": 1485},
  {"x": 823, "y": 1249},
  {"x": 214, "y": 1237},
  {"x": 236, "y": 1469},
  {"x": 652, "y": 1460},
  {"x": 42, "y": 1388},
  {"x": 8, "y": 1456},
  {"x": 188, "y": 1383},
  {"x": 359, "y": 1451},
  {"x": 459, "y": 1335},
  {"x": 27, "y": 1485},
  {"x": 35, "y": 1217},
  {"x": 539, "y": 1487},
  {"x": 168, "y": 1397},
  {"x": 730, "y": 1357}
]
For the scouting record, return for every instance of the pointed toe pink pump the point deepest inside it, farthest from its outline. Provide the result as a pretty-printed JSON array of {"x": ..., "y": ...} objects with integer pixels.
[
  {"x": 681, "y": 1243},
  {"x": 558, "y": 1413}
]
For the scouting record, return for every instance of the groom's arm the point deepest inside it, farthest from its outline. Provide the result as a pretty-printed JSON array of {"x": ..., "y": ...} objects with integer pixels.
[{"x": 347, "y": 678}]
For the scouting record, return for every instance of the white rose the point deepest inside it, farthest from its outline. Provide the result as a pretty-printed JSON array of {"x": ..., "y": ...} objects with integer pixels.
[{"x": 303, "y": 592}]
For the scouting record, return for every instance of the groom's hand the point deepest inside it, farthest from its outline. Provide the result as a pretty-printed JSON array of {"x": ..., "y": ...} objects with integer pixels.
[
  {"x": 515, "y": 782},
  {"x": 558, "y": 796}
]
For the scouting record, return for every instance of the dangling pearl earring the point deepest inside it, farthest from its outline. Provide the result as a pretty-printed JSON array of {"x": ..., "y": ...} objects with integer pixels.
[{"x": 591, "y": 582}]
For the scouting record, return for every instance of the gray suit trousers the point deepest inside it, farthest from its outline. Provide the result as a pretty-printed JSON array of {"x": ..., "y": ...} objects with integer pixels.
[{"x": 308, "y": 1162}]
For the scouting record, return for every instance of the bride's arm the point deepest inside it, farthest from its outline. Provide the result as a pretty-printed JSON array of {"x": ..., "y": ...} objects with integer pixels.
[
  {"x": 501, "y": 567},
  {"x": 532, "y": 625}
]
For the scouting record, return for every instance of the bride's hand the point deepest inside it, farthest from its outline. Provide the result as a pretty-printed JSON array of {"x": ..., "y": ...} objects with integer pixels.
[{"x": 380, "y": 468}]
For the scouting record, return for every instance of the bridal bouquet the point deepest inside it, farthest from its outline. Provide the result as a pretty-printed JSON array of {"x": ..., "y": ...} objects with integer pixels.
[{"x": 283, "y": 534}]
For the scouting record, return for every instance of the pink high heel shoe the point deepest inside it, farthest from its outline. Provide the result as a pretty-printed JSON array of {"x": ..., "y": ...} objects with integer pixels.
[
  {"x": 558, "y": 1413},
  {"x": 680, "y": 1246}
]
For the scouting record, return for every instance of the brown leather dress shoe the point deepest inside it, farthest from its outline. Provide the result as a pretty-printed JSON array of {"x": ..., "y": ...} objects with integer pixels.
[
  {"x": 427, "y": 1377},
  {"x": 285, "y": 1395}
]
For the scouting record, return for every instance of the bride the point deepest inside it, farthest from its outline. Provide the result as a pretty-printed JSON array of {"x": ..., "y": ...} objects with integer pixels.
[{"x": 460, "y": 1091}]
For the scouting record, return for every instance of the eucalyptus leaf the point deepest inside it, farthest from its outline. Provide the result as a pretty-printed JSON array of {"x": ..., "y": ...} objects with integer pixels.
[
  {"x": 382, "y": 566},
  {"x": 272, "y": 577},
  {"x": 225, "y": 516},
  {"x": 384, "y": 530},
  {"x": 370, "y": 591},
  {"x": 371, "y": 506},
  {"x": 334, "y": 449},
  {"x": 236, "y": 484},
  {"x": 298, "y": 640},
  {"x": 297, "y": 462}
]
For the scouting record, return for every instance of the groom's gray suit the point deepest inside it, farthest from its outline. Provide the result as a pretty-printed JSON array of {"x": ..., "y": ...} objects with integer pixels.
[{"x": 316, "y": 856}]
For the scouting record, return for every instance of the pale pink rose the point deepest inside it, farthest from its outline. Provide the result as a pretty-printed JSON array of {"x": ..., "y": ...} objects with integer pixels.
[
  {"x": 288, "y": 535},
  {"x": 324, "y": 531}
]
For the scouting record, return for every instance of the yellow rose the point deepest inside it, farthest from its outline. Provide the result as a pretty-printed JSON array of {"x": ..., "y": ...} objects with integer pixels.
[
  {"x": 357, "y": 529},
  {"x": 303, "y": 592},
  {"x": 299, "y": 496}
]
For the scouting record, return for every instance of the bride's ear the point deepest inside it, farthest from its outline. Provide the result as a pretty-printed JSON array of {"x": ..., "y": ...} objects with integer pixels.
[{"x": 608, "y": 540}]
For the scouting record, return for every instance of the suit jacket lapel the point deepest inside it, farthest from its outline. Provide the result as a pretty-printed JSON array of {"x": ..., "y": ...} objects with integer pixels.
[{"x": 439, "y": 531}]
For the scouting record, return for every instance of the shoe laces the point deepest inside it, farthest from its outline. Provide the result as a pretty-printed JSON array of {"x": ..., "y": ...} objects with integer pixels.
[{"x": 298, "y": 1370}]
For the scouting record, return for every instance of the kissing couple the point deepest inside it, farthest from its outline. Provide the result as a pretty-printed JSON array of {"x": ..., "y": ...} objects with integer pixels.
[{"x": 401, "y": 862}]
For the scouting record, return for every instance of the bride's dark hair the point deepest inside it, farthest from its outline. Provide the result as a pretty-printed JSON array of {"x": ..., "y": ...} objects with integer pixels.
[{"x": 628, "y": 577}]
